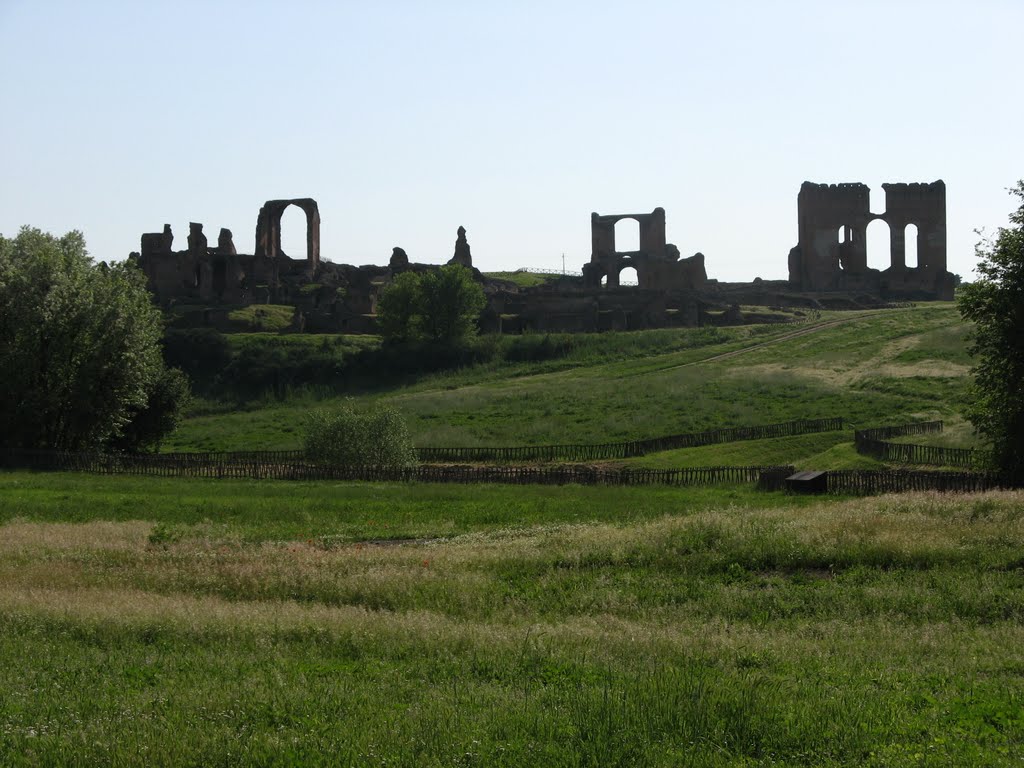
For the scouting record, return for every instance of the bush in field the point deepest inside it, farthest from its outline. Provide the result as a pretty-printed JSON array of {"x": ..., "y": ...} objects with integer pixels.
[{"x": 375, "y": 438}]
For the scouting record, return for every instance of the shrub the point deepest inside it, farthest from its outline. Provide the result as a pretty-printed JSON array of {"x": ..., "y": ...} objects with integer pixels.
[{"x": 375, "y": 438}]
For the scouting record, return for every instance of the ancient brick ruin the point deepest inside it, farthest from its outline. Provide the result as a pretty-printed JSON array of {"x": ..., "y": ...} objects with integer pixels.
[
  {"x": 827, "y": 268},
  {"x": 219, "y": 273},
  {"x": 657, "y": 263},
  {"x": 831, "y": 254}
]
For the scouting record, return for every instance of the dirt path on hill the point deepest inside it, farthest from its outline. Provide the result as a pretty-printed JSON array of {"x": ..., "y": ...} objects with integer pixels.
[{"x": 769, "y": 343}]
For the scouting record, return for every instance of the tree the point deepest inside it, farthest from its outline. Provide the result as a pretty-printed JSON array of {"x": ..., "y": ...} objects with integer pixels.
[
  {"x": 80, "y": 353},
  {"x": 149, "y": 425},
  {"x": 398, "y": 308},
  {"x": 995, "y": 304},
  {"x": 350, "y": 437},
  {"x": 451, "y": 304},
  {"x": 440, "y": 306}
]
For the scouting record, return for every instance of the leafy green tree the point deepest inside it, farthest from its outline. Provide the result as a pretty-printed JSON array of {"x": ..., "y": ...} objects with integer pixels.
[
  {"x": 147, "y": 426},
  {"x": 80, "y": 353},
  {"x": 995, "y": 303},
  {"x": 451, "y": 303},
  {"x": 375, "y": 438},
  {"x": 440, "y": 306},
  {"x": 398, "y": 308}
]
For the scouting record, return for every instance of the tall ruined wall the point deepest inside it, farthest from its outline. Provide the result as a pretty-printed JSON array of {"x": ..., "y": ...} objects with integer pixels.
[
  {"x": 219, "y": 273},
  {"x": 822, "y": 211},
  {"x": 657, "y": 263},
  {"x": 831, "y": 253},
  {"x": 923, "y": 205}
]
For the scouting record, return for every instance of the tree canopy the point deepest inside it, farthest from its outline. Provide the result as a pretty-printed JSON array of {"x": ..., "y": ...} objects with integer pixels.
[
  {"x": 438, "y": 306},
  {"x": 995, "y": 304},
  {"x": 81, "y": 354}
]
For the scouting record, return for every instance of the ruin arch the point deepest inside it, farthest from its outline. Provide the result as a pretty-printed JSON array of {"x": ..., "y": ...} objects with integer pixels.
[
  {"x": 294, "y": 233},
  {"x": 628, "y": 275},
  {"x": 627, "y": 235},
  {"x": 268, "y": 229},
  {"x": 911, "y": 247},
  {"x": 879, "y": 244}
]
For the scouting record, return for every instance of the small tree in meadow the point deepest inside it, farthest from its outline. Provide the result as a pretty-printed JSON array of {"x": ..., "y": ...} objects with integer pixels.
[
  {"x": 439, "y": 307},
  {"x": 378, "y": 437}
]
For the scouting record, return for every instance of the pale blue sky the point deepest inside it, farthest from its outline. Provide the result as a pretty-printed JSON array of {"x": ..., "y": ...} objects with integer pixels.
[{"x": 405, "y": 120}]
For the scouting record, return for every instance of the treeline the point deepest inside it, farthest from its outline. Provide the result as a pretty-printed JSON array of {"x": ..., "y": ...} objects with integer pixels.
[{"x": 249, "y": 366}]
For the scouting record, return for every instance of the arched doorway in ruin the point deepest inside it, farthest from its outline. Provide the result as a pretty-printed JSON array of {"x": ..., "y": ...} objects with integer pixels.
[
  {"x": 879, "y": 245},
  {"x": 627, "y": 235},
  {"x": 294, "y": 236}
]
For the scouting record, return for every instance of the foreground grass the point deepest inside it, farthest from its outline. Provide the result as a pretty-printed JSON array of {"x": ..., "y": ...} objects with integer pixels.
[{"x": 757, "y": 631}]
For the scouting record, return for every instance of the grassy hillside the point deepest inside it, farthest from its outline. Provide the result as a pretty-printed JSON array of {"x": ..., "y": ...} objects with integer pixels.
[
  {"x": 873, "y": 368},
  {"x": 175, "y": 622},
  {"x": 524, "y": 279}
]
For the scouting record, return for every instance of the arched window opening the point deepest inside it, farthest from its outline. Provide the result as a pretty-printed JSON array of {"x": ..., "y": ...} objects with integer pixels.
[
  {"x": 627, "y": 235},
  {"x": 910, "y": 246},
  {"x": 604, "y": 281},
  {"x": 879, "y": 246},
  {"x": 842, "y": 234},
  {"x": 628, "y": 276},
  {"x": 293, "y": 233}
]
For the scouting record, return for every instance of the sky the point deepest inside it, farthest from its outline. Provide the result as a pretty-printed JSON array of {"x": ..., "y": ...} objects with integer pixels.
[{"x": 405, "y": 120}]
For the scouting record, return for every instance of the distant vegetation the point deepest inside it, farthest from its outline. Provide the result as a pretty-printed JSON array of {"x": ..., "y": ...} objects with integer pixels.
[
  {"x": 524, "y": 278},
  {"x": 873, "y": 368},
  {"x": 238, "y": 367},
  {"x": 254, "y": 318},
  {"x": 438, "y": 308}
]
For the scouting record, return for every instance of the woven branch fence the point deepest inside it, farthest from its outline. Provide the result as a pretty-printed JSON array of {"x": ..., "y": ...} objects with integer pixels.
[
  {"x": 290, "y": 465},
  {"x": 873, "y": 481},
  {"x": 872, "y": 442},
  {"x": 628, "y": 449}
]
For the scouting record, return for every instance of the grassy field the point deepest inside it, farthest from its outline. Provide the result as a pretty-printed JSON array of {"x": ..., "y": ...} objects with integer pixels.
[
  {"x": 172, "y": 622},
  {"x": 873, "y": 368},
  {"x": 151, "y": 621},
  {"x": 825, "y": 450},
  {"x": 524, "y": 279}
]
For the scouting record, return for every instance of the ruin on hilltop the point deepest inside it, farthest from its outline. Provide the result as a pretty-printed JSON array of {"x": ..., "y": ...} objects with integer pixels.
[{"x": 827, "y": 269}]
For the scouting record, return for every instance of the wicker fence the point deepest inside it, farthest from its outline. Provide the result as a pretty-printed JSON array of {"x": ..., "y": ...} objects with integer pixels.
[
  {"x": 629, "y": 449},
  {"x": 872, "y": 442},
  {"x": 290, "y": 465},
  {"x": 873, "y": 481}
]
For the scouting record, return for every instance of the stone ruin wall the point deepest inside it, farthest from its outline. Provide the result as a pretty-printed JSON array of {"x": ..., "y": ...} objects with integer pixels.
[
  {"x": 219, "y": 273},
  {"x": 831, "y": 252},
  {"x": 830, "y": 258},
  {"x": 657, "y": 262}
]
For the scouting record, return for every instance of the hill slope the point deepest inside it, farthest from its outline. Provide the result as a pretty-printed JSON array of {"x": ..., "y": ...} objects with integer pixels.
[{"x": 877, "y": 367}]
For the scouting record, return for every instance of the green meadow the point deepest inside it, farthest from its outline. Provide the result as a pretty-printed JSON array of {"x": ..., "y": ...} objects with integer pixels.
[
  {"x": 176, "y": 622},
  {"x": 872, "y": 368},
  {"x": 183, "y": 622}
]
